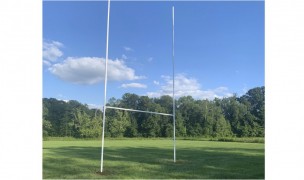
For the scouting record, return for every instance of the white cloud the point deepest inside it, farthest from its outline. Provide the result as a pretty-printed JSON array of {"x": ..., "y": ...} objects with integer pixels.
[
  {"x": 150, "y": 59},
  {"x": 65, "y": 100},
  {"x": 124, "y": 56},
  {"x": 134, "y": 85},
  {"x": 95, "y": 106},
  {"x": 61, "y": 97},
  {"x": 185, "y": 86},
  {"x": 51, "y": 51},
  {"x": 91, "y": 70},
  {"x": 47, "y": 63},
  {"x": 156, "y": 82},
  {"x": 128, "y": 48}
]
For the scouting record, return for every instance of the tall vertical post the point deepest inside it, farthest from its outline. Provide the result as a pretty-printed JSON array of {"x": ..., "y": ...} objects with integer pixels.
[
  {"x": 173, "y": 97},
  {"x": 105, "y": 88}
]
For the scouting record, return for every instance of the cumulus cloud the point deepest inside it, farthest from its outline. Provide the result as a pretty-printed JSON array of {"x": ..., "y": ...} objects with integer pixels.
[
  {"x": 128, "y": 48},
  {"x": 185, "y": 86},
  {"x": 47, "y": 63},
  {"x": 124, "y": 56},
  {"x": 91, "y": 70},
  {"x": 51, "y": 51},
  {"x": 134, "y": 85},
  {"x": 156, "y": 82}
]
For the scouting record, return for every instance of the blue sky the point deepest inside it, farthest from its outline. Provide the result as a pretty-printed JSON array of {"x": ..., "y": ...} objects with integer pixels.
[{"x": 219, "y": 49}]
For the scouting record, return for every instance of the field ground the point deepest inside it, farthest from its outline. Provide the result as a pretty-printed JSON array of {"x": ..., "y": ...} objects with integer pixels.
[{"x": 152, "y": 159}]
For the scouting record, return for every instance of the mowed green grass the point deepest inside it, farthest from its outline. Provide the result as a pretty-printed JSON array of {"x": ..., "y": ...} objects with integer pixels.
[{"x": 153, "y": 159}]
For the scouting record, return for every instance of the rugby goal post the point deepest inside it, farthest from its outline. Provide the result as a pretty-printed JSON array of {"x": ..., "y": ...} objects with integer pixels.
[{"x": 134, "y": 110}]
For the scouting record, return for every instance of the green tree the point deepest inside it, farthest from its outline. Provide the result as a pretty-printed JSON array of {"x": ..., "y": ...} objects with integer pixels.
[
  {"x": 85, "y": 126},
  {"x": 129, "y": 101},
  {"x": 132, "y": 129},
  {"x": 221, "y": 127},
  {"x": 180, "y": 125},
  {"x": 151, "y": 126},
  {"x": 47, "y": 128},
  {"x": 56, "y": 110},
  {"x": 118, "y": 123},
  {"x": 232, "y": 116},
  {"x": 254, "y": 99}
]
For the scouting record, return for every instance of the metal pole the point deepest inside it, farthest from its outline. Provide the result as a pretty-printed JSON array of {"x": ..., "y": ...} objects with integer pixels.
[
  {"x": 105, "y": 88},
  {"x": 134, "y": 110},
  {"x": 173, "y": 84}
]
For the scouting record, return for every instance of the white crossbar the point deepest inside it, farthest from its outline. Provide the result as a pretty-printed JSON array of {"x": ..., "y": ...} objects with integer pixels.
[{"x": 134, "y": 110}]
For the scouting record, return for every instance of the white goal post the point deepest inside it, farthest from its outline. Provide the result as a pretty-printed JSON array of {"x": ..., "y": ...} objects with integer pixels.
[{"x": 134, "y": 110}]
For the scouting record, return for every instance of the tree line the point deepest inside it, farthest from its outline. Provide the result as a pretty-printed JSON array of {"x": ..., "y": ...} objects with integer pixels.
[{"x": 226, "y": 117}]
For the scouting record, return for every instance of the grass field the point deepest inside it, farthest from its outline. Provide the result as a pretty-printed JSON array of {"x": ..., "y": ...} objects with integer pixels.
[{"x": 153, "y": 159}]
